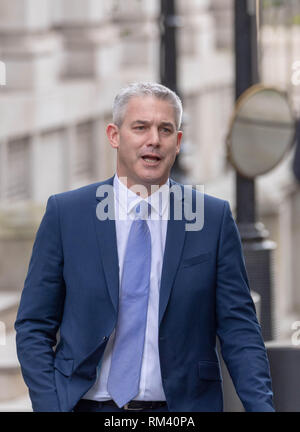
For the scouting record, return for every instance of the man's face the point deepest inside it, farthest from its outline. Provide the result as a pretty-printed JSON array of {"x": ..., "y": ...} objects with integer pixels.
[{"x": 147, "y": 142}]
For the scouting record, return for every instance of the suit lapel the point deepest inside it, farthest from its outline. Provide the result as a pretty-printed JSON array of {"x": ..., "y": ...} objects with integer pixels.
[
  {"x": 173, "y": 248},
  {"x": 107, "y": 242}
]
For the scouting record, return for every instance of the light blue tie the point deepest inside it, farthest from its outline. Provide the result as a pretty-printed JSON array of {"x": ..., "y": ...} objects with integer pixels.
[{"x": 125, "y": 370}]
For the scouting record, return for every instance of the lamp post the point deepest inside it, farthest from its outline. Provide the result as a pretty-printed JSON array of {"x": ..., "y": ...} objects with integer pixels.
[{"x": 257, "y": 248}]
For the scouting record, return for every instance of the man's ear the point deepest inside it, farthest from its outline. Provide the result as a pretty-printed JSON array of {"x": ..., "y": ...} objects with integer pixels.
[
  {"x": 112, "y": 132},
  {"x": 179, "y": 138}
]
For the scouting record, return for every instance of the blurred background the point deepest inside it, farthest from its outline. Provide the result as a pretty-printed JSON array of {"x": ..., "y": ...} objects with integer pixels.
[{"x": 63, "y": 61}]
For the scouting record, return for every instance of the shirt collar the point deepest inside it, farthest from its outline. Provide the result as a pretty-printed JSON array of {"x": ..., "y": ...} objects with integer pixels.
[{"x": 127, "y": 199}]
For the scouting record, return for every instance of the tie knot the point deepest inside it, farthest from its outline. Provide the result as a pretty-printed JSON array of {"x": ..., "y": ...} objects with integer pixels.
[{"x": 142, "y": 210}]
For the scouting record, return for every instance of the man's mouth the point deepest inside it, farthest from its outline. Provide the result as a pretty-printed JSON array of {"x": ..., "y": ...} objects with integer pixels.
[{"x": 151, "y": 159}]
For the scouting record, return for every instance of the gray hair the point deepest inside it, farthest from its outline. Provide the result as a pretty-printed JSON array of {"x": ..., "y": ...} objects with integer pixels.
[{"x": 145, "y": 89}]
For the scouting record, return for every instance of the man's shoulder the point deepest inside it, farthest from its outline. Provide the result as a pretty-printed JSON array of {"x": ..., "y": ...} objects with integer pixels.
[{"x": 194, "y": 192}]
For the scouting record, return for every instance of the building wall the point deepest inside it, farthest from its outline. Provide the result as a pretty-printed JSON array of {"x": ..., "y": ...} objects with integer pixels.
[{"x": 65, "y": 62}]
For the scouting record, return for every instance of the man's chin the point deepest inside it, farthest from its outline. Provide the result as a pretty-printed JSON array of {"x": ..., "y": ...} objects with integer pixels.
[{"x": 153, "y": 181}]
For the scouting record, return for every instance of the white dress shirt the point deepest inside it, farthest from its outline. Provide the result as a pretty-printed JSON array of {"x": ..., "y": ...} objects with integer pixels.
[{"x": 150, "y": 387}]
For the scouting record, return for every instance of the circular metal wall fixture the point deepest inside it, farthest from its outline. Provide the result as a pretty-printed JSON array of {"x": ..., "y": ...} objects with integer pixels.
[{"x": 262, "y": 130}]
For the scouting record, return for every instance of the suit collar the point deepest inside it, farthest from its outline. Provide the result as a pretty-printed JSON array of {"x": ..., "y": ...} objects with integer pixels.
[{"x": 108, "y": 182}]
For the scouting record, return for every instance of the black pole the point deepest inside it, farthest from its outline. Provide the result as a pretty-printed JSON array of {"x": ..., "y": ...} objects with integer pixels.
[
  {"x": 245, "y": 46},
  {"x": 246, "y": 75},
  {"x": 257, "y": 248},
  {"x": 168, "y": 49},
  {"x": 169, "y": 23}
]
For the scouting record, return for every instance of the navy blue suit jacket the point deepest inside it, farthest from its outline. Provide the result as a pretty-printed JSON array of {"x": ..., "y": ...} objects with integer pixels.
[{"x": 71, "y": 291}]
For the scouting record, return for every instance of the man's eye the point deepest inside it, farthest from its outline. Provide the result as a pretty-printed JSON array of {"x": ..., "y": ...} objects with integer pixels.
[
  {"x": 139, "y": 127},
  {"x": 166, "y": 130}
]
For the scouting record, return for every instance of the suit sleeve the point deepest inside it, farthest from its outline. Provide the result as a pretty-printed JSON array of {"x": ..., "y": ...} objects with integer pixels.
[
  {"x": 40, "y": 312},
  {"x": 238, "y": 330}
]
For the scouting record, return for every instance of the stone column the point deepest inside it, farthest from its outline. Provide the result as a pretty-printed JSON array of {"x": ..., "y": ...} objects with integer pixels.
[
  {"x": 223, "y": 13},
  {"x": 3, "y": 164},
  {"x": 197, "y": 35},
  {"x": 206, "y": 76},
  {"x": 90, "y": 39},
  {"x": 29, "y": 48},
  {"x": 139, "y": 33}
]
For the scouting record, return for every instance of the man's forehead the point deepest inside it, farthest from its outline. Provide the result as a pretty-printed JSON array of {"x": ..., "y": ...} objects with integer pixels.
[{"x": 148, "y": 104}]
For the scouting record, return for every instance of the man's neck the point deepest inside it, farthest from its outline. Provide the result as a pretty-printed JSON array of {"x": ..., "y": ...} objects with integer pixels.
[{"x": 143, "y": 190}]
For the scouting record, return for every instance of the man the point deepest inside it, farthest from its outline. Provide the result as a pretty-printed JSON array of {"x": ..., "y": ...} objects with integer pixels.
[{"x": 139, "y": 297}]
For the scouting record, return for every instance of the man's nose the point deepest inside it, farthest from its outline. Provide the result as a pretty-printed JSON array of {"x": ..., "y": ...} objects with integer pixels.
[{"x": 153, "y": 136}]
